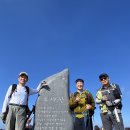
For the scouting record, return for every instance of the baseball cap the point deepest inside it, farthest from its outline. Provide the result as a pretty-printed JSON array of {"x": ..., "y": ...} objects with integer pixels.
[
  {"x": 103, "y": 75},
  {"x": 23, "y": 73}
]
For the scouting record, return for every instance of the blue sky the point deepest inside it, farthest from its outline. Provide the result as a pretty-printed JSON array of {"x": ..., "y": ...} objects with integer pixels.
[{"x": 44, "y": 37}]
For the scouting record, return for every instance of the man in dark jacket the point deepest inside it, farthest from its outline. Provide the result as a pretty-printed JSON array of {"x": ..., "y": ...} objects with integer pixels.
[{"x": 109, "y": 98}]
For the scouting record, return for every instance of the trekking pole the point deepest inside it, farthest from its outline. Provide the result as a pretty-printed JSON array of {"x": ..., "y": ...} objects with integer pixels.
[
  {"x": 116, "y": 116},
  {"x": 88, "y": 121},
  {"x": 32, "y": 111}
]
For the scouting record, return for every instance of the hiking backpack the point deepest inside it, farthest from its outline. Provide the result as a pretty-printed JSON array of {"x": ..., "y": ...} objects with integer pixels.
[{"x": 14, "y": 87}]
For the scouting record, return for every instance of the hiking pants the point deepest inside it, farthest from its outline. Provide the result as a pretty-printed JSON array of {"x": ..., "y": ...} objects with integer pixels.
[
  {"x": 16, "y": 118},
  {"x": 79, "y": 124},
  {"x": 89, "y": 123},
  {"x": 109, "y": 122}
]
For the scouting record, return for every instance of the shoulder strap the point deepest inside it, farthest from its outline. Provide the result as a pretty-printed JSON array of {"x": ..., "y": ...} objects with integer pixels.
[
  {"x": 14, "y": 86},
  {"x": 71, "y": 95},
  {"x": 88, "y": 97},
  {"x": 113, "y": 85},
  {"x": 86, "y": 91},
  {"x": 27, "y": 89}
]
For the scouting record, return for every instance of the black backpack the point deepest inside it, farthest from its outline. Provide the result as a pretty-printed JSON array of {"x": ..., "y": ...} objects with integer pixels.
[
  {"x": 89, "y": 101},
  {"x": 117, "y": 94},
  {"x": 14, "y": 87}
]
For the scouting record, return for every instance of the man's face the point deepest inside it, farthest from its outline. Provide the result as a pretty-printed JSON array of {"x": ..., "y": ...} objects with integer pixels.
[
  {"x": 79, "y": 85},
  {"x": 22, "y": 79},
  {"x": 104, "y": 81}
]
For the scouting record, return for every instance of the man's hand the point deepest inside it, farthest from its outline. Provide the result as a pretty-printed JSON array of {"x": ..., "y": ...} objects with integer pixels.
[
  {"x": 43, "y": 83},
  {"x": 104, "y": 98},
  {"x": 88, "y": 106},
  {"x": 77, "y": 99}
]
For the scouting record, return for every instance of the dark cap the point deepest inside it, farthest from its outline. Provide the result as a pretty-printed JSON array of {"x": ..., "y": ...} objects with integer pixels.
[{"x": 103, "y": 75}]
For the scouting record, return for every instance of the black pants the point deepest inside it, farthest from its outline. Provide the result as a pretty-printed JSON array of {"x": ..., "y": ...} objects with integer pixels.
[
  {"x": 89, "y": 123},
  {"x": 83, "y": 124}
]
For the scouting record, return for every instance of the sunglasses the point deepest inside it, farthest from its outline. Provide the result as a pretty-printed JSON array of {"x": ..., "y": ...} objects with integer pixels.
[{"x": 104, "y": 78}]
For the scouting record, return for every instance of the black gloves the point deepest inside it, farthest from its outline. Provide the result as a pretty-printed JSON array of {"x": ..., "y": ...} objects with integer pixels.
[{"x": 3, "y": 117}]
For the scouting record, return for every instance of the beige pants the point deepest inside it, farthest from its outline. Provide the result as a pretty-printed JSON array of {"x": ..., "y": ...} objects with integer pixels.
[{"x": 16, "y": 118}]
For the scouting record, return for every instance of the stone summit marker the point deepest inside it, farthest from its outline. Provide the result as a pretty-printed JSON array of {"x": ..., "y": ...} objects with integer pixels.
[{"x": 52, "y": 109}]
